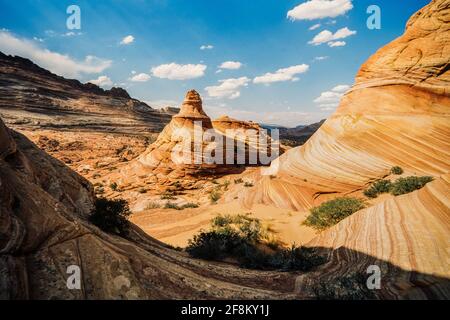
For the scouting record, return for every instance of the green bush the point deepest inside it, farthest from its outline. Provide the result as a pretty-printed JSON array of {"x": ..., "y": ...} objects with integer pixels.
[
  {"x": 237, "y": 181},
  {"x": 168, "y": 195},
  {"x": 380, "y": 186},
  {"x": 113, "y": 186},
  {"x": 409, "y": 184},
  {"x": 396, "y": 170},
  {"x": 248, "y": 184},
  {"x": 111, "y": 216},
  {"x": 188, "y": 205},
  {"x": 331, "y": 212},
  {"x": 350, "y": 287},
  {"x": 152, "y": 205},
  {"x": 214, "y": 196},
  {"x": 242, "y": 238},
  {"x": 171, "y": 205}
]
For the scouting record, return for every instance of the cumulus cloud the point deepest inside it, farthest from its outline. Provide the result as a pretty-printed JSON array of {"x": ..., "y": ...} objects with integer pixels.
[
  {"x": 337, "y": 43},
  {"x": 102, "y": 81},
  {"x": 55, "y": 62},
  {"x": 314, "y": 27},
  {"x": 206, "y": 47},
  {"x": 141, "y": 77},
  {"x": 231, "y": 65},
  {"x": 318, "y": 9},
  {"x": 127, "y": 40},
  {"x": 284, "y": 118},
  {"x": 174, "y": 71},
  {"x": 284, "y": 74},
  {"x": 327, "y": 36},
  {"x": 328, "y": 100},
  {"x": 228, "y": 88}
]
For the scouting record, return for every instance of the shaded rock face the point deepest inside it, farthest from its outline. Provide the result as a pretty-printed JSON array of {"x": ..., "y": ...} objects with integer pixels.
[
  {"x": 397, "y": 113},
  {"x": 299, "y": 135},
  {"x": 406, "y": 237},
  {"x": 43, "y": 231},
  {"x": 34, "y": 98}
]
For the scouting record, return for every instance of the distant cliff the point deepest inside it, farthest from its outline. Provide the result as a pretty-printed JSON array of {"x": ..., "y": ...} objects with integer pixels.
[{"x": 32, "y": 97}]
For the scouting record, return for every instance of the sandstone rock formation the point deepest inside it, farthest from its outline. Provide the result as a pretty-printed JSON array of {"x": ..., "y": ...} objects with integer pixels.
[
  {"x": 406, "y": 236},
  {"x": 43, "y": 231},
  {"x": 397, "y": 113},
  {"x": 34, "y": 98},
  {"x": 192, "y": 147}
]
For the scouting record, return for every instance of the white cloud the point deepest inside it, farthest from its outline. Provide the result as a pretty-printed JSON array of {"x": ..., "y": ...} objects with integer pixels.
[
  {"x": 328, "y": 100},
  {"x": 38, "y": 39},
  {"x": 341, "y": 88},
  {"x": 284, "y": 74},
  {"x": 320, "y": 58},
  {"x": 141, "y": 77},
  {"x": 206, "y": 47},
  {"x": 162, "y": 103},
  {"x": 327, "y": 36},
  {"x": 71, "y": 34},
  {"x": 231, "y": 65},
  {"x": 127, "y": 40},
  {"x": 174, "y": 71},
  {"x": 228, "y": 88},
  {"x": 314, "y": 27},
  {"x": 337, "y": 43},
  {"x": 102, "y": 81},
  {"x": 133, "y": 72},
  {"x": 284, "y": 118},
  {"x": 318, "y": 9},
  {"x": 55, "y": 62}
]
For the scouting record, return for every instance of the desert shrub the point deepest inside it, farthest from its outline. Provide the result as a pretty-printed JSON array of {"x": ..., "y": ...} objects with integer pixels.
[
  {"x": 331, "y": 212},
  {"x": 396, "y": 170},
  {"x": 238, "y": 181},
  {"x": 99, "y": 190},
  {"x": 248, "y": 184},
  {"x": 350, "y": 287},
  {"x": 177, "y": 185},
  {"x": 171, "y": 205},
  {"x": 189, "y": 205},
  {"x": 409, "y": 184},
  {"x": 113, "y": 186},
  {"x": 297, "y": 258},
  {"x": 247, "y": 228},
  {"x": 242, "y": 238},
  {"x": 225, "y": 184},
  {"x": 378, "y": 187},
  {"x": 111, "y": 216},
  {"x": 142, "y": 190},
  {"x": 153, "y": 205},
  {"x": 168, "y": 195},
  {"x": 214, "y": 196}
]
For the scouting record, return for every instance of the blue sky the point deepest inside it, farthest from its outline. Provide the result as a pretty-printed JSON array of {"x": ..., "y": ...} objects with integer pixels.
[{"x": 274, "y": 74}]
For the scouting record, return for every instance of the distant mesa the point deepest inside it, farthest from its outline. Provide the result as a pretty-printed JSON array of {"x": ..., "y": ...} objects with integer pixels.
[{"x": 34, "y": 98}]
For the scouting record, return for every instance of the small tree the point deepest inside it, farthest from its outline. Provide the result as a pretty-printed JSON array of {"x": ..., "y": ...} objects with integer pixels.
[{"x": 111, "y": 216}]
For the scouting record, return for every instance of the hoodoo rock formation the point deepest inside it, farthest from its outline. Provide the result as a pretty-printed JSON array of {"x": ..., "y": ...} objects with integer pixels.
[{"x": 192, "y": 147}]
